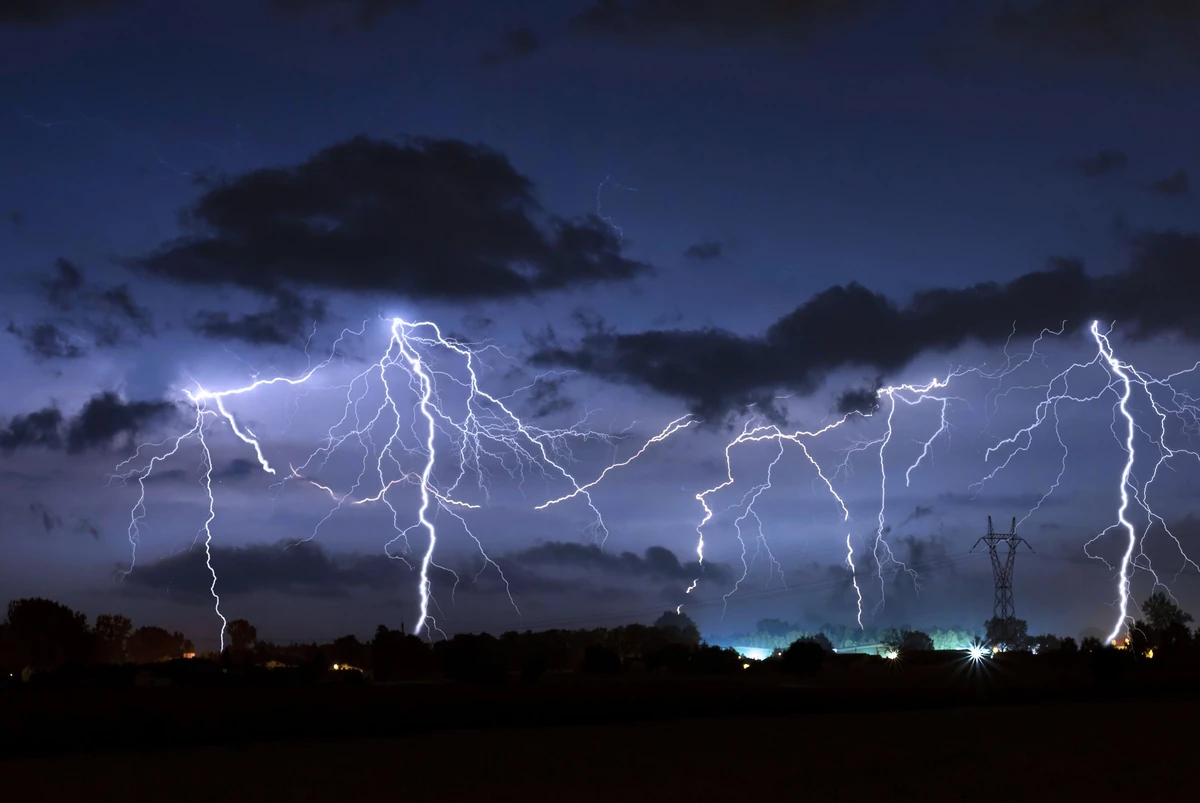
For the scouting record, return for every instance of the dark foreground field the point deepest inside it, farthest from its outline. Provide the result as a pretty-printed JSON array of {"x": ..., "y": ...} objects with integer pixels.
[
  {"x": 1118, "y": 750},
  {"x": 1023, "y": 730}
]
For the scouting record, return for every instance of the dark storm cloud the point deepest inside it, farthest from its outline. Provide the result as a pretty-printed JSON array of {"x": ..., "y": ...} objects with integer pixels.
[
  {"x": 288, "y": 320},
  {"x": 1098, "y": 29},
  {"x": 1175, "y": 185},
  {"x": 426, "y": 219},
  {"x": 104, "y": 419},
  {"x": 52, "y": 12},
  {"x": 1102, "y": 163},
  {"x": 307, "y": 568},
  {"x": 107, "y": 314},
  {"x": 657, "y": 563},
  {"x": 848, "y": 326},
  {"x": 859, "y": 400},
  {"x": 46, "y": 341},
  {"x": 703, "y": 251},
  {"x": 516, "y": 45},
  {"x": 292, "y": 568},
  {"x": 714, "y": 20},
  {"x": 546, "y": 397},
  {"x": 363, "y": 13}
]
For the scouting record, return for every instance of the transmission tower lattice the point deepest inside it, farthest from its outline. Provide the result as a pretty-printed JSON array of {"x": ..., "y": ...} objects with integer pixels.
[{"x": 1002, "y": 570}]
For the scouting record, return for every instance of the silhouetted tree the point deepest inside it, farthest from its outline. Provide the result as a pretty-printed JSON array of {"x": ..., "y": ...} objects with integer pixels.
[
  {"x": 1047, "y": 642},
  {"x": 1090, "y": 644},
  {"x": 349, "y": 650},
  {"x": 242, "y": 636},
  {"x": 1161, "y": 612},
  {"x": 111, "y": 632},
  {"x": 1068, "y": 645},
  {"x": 903, "y": 640},
  {"x": 712, "y": 660},
  {"x": 1140, "y": 638},
  {"x": 678, "y": 628},
  {"x": 823, "y": 640},
  {"x": 47, "y": 635},
  {"x": 473, "y": 658},
  {"x": 399, "y": 656},
  {"x": 600, "y": 660},
  {"x": 670, "y": 657},
  {"x": 1008, "y": 634},
  {"x": 803, "y": 657},
  {"x": 148, "y": 645},
  {"x": 8, "y": 657},
  {"x": 915, "y": 641},
  {"x": 1174, "y": 639}
]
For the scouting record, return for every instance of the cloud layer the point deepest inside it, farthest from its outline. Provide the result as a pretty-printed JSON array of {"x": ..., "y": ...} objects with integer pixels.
[
  {"x": 427, "y": 219},
  {"x": 849, "y": 326},
  {"x": 306, "y": 568},
  {"x": 104, "y": 420},
  {"x": 87, "y": 316}
]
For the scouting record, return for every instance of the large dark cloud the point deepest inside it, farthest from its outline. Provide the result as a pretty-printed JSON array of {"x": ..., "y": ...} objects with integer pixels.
[
  {"x": 363, "y": 13},
  {"x": 306, "y": 568},
  {"x": 426, "y": 219},
  {"x": 303, "y": 568},
  {"x": 714, "y": 20},
  {"x": 47, "y": 341},
  {"x": 52, "y": 12},
  {"x": 1099, "y": 29},
  {"x": 859, "y": 400},
  {"x": 104, "y": 420},
  {"x": 288, "y": 320},
  {"x": 848, "y": 326},
  {"x": 657, "y": 563},
  {"x": 87, "y": 316}
]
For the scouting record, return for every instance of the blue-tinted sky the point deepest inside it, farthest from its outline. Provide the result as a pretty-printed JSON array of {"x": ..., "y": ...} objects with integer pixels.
[{"x": 715, "y": 170}]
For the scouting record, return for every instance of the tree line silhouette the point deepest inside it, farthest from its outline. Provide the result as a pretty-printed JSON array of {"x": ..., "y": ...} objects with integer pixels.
[{"x": 42, "y": 638}]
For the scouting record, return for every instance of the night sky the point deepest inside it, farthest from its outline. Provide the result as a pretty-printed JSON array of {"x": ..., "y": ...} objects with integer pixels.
[{"x": 742, "y": 211}]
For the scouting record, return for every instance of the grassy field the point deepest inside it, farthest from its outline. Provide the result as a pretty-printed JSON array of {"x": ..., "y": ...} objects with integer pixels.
[{"x": 1120, "y": 750}]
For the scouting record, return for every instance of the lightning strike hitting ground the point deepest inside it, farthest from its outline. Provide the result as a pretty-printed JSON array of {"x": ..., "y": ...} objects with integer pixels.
[
  {"x": 453, "y": 437},
  {"x": 1122, "y": 381},
  {"x": 458, "y": 428}
]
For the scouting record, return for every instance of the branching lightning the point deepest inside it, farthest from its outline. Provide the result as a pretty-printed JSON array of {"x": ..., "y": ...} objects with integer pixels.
[
  {"x": 457, "y": 427},
  {"x": 1123, "y": 381},
  {"x": 422, "y": 402}
]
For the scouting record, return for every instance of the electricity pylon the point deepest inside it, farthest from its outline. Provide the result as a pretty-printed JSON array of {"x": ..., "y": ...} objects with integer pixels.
[{"x": 1002, "y": 571}]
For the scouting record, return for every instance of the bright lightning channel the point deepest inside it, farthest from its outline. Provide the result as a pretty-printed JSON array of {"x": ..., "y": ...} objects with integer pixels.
[{"x": 485, "y": 431}]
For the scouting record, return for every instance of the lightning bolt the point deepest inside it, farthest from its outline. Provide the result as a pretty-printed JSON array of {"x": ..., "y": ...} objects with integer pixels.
[
  {"x": 457, "y": 439},
  {"x": 1123, "y": 379}
]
